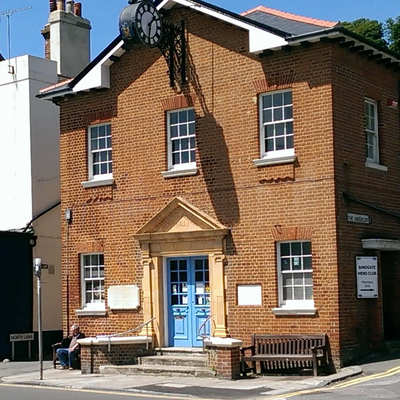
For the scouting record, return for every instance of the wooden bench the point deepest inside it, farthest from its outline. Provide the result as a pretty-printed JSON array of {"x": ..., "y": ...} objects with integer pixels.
[{"x": 285, "y": 352}]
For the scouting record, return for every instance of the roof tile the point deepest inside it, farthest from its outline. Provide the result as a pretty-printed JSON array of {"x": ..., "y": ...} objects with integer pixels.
[{"x": 293, "y": 17}]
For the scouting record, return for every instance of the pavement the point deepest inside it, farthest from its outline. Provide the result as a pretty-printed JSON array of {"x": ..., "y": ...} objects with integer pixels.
[{"x": 28, "y": 373}]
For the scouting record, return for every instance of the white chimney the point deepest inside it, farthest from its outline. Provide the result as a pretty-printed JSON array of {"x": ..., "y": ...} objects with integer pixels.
[{"x": 69, "y": 39}]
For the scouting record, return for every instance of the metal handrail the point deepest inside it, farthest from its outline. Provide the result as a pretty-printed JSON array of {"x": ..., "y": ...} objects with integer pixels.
[
  {"x": 203, "y": 336},
  {"x": 139, "y": 327}
]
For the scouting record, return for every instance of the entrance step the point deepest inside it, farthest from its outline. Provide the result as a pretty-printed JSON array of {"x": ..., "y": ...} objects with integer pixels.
[
  {"x": 165, "y": 370},
  {"x": 174, "y": 360},
  {"x": 180, "y": 351},
  {"x": 170, "y": 361}
]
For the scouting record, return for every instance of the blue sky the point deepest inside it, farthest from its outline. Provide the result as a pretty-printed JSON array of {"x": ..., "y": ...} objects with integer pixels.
[{"x": 103, "y": 14}]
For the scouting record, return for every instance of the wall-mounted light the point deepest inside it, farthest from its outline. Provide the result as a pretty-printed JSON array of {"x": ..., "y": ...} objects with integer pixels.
[{"x": 68, "y": 215}]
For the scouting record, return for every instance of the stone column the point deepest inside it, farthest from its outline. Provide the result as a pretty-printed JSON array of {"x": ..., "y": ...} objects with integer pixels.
[
  {"x": 147, "y": 291},
  {"x": 217, "y": 289},
  {"x": 157, "y": 297}
]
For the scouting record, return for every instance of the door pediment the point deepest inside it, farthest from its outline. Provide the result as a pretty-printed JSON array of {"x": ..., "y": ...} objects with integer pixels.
[{"x": 180, "y": 219}]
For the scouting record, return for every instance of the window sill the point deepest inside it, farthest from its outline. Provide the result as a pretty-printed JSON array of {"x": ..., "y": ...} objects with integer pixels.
[
  {"x": 294, "y": 311},
  {"x": 98, "y": 182},
  {"x": 173, "y": 173},
  {"x": 275, "y": 160},
  {"x": 373, "y": 165},
  {"x": 88, "y": 312}
]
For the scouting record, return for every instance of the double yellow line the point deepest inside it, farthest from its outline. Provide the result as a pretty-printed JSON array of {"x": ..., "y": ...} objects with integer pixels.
[{"x": 390, "y": 372}]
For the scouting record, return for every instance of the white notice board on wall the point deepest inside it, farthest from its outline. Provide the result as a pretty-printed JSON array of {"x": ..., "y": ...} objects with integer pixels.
[
  {"x": 249, "y": 295},
  {"x": 123, "y": 297},
  {"x": 367, "y": 277}
]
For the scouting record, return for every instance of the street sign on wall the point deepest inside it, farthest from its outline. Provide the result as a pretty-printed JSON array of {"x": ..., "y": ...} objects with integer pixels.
[
  {"x": 358, "y": 218},
  {"x": 21, "y": 337},
  {"x": 367, "y": 277}
]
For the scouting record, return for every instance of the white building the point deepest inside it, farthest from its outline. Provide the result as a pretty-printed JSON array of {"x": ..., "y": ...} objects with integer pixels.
[
  {"x": 30, "y": 141},
  {"x": 29, "y": 162}
]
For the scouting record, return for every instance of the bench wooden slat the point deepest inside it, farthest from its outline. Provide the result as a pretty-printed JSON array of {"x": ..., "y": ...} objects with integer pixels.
[
  {"x": 260, "y": 357},
  {"x": 283, "y": 349}
]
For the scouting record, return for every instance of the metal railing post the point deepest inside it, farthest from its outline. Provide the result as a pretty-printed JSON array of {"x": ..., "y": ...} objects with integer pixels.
[{"x": 147, "y": 336}]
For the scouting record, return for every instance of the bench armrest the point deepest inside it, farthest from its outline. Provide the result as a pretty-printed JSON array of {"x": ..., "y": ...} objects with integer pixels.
[
  {"x": 243, "y": 349},
  {"x": 322, "y": 346},
  {"x": 314, "y": 349}
]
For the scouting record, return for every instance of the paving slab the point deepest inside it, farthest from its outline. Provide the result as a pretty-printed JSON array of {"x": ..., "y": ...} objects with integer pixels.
[{"x": 248, "y": 388}]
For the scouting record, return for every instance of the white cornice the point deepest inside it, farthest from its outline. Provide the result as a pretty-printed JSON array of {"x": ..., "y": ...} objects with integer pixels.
[
  {"x": 99, "y": 76},
  {"x": 381, "y": 244}
]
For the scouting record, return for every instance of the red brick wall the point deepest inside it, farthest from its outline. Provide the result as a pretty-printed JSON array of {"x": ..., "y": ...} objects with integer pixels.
[
  {"x": 224, "y": 361},
  {"x": 224, "y": 81},
  {"x": 92, "y": 357},
  {"x": 354, "y": 78}
]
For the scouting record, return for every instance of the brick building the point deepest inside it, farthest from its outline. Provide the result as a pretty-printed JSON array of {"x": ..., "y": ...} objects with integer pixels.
[{"x": 246, "y": 190}]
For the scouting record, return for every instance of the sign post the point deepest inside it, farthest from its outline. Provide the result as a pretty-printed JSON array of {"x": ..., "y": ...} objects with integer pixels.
[
  {"x": 20, "y": 337},
  {"x": 367, "y": 277},
  {"x": 37, "y": 270}
]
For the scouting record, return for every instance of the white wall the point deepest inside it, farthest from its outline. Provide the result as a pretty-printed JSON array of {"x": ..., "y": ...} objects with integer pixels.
[
  {"x": 47, "y": 228},
  {"x": 29, "y": 158}
]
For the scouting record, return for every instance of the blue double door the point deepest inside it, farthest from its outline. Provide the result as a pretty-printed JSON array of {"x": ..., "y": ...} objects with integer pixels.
[{"x": 188, "y": 300}]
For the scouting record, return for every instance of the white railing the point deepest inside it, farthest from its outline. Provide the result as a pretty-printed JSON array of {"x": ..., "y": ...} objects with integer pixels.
[
  {"x": 138, "y": 328},
  {"x": 203, "y": 325}
]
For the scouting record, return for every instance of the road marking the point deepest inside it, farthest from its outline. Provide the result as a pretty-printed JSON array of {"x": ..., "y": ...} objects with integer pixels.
[
  {"x": 390, "y": 372},
  {"x": 109, "y": 392}
]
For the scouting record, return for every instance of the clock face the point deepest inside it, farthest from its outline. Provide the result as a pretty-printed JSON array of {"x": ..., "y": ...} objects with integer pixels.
[{"x": 148, "y": 24}]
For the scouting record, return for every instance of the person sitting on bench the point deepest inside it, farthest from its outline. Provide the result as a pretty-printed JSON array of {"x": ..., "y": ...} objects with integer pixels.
[{"x": 67, "y": 355}]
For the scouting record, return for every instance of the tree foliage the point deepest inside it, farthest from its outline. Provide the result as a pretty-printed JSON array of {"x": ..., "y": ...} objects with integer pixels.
[
  {"x": 385, "y": 34},
  {"x": 393, "y": 34},
  {"x": 370, "y": 29}
]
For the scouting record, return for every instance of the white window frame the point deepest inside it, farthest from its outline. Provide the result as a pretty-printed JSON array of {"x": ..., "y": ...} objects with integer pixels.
[
  {"x": 98, "y": 179},
  {"x": 94, "y": 305},
  {"x": 374, "y": 131},
  {"x": 183, "y": 169},
  {"x": 294, "y": 305},
  {"x": 286, "y": 155}
]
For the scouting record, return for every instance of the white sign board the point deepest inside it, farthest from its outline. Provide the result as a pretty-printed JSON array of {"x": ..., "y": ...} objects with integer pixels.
[
  {"x": 249, "y": 295},
  {"x": 358, "y": 218},
  {"x": 21, "y": 337},
  {"x": 367, "y": 277},
  {"x": 124, "y": 297}
]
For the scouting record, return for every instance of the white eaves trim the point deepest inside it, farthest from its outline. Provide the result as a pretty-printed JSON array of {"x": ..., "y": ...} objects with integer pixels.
[
  {"x": 99, "y": 76},
  {"x": 259, "y": 39}
]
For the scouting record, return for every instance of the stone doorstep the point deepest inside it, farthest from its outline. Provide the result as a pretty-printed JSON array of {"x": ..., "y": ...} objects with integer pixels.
[
  {"x": 174, "y": 360},
  {"x": 181, "y": 351},
  {"x": 165, "y": 370}
]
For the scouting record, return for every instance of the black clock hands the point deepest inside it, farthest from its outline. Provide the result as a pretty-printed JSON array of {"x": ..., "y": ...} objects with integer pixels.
[
  {"x": 149, "y": 25},
  {"x": 141, "y": 22}
]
